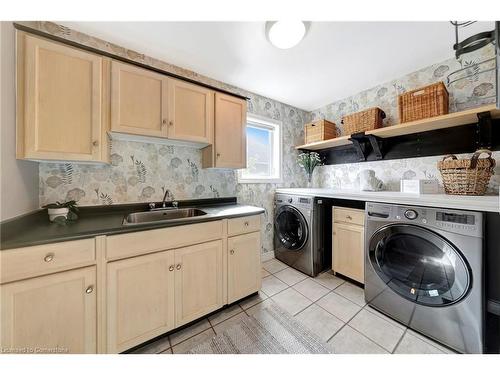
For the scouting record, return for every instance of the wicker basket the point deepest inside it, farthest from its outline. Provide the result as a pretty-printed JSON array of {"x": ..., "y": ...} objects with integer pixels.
[
  {"x": 320, "y": 130},
  {"x": 425, "y": 102},
  {"x": 368, "y": 119},
  {"x": 466, "y": 176}
]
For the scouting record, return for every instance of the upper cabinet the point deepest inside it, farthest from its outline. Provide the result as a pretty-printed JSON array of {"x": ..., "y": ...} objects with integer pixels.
[
  {"x": 68, "y": 99},
  {"x": 229, "y": 149},
  {"x": 139, "y": 102},
  {"x": 62, "y": 98},
  {"x": 191, "y": 115}
]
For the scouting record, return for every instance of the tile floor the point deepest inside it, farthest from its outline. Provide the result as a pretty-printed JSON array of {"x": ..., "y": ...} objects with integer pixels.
[{"x": 332, "y": 308}]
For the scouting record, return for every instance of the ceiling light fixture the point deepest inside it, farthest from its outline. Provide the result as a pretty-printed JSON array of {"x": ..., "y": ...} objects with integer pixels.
[{"x": 285, "y": 34}]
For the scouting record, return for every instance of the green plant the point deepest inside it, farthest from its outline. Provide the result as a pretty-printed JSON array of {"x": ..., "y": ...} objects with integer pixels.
[
  {"x": 72, "y": 211},
  {"x": 309, "y": 161}
]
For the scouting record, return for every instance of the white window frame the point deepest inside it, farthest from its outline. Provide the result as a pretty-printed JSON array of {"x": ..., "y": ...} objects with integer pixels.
[{"x": 264, "y": 122}]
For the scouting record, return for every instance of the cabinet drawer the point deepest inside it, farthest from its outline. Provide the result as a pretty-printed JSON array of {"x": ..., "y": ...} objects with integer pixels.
[
  {"x": 149, "y": 241},
  {"x": 33, "y": 261},
  {"x": 348, "y": 215},
  {"x": 244, "y": 224}
]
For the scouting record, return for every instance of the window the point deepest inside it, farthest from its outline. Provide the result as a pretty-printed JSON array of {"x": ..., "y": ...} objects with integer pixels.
[{"x": 263, "y": 151}]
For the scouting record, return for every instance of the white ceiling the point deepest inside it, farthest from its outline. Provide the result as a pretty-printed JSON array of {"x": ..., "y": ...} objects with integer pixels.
[{"x": 335, "y": 60}]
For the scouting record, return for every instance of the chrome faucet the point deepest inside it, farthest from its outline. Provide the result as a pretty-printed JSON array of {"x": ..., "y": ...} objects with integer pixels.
[{"x": 168, "y": 195}]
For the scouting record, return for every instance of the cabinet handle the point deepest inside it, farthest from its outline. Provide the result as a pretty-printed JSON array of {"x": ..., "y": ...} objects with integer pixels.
[
  {"x": 247, "y": 223},
  {"x": 231, "y": 252},
  {"x": 171, "y": 268},
  {"x": 218, "y": 155},
  {"x": 90, "y": 289},
  {"x": 171, "y": 123},
  {"x": 95, "y": 143},
  {"x": 49, "y": 257},
  {"x": 348, "y": 217},
  {"x": 179, "y": 266}
]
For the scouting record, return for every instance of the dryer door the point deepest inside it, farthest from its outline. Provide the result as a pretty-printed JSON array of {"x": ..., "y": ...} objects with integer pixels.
[
  {"x": 290, "y": 228},
  {"x": 419, "y": 265}
]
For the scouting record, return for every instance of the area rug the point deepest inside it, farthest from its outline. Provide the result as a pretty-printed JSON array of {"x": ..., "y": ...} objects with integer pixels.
[{"x": 270, "y": 331}]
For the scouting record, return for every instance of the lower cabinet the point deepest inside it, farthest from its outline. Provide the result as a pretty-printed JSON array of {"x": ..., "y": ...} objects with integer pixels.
[
  {"x": 198, "y": 281},
  {"x": 140, "y": 299},
  {"x": 50, "y": 314},
  {"x": 348, "y": 244},
  {"x": 151, "y": 294},
  {"x": 126, "y": 289},
  {"x": 243, "y": 265}
]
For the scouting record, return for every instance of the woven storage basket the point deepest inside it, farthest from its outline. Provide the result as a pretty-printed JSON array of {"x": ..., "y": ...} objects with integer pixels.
[
  {"x": 320, "y": 130},
  {"x": 425, "y": 102},
  {"x": 358, "y": 122},
  {"x": 466, "y": 176}
]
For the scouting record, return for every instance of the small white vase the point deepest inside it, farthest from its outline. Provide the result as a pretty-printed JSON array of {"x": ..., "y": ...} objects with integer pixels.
[{"x": 56, "y": 212}]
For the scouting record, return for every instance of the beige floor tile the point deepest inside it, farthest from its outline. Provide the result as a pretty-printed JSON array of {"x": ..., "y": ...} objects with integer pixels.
[
  {"x": 224, "y": 314},
  {"x": 320, "y": 322},
  {"x": 193, "y": 341},
  {"x": 290, "y": 276},
  {"x": 274, "y": 266},
  {"x": 411, "y": 344},
  {"x": 352, "y": 292},
  {"x": 291, "y": 301},
  {"x": 272, "y": 285},
  {"x": 258, "y": 307},
  {"x": 253, "y": 300},
  {"x": 264, "y": 273},
  {"x": 431, "y": 342},
  {"x": 339, "y": 306},
  {"x": 377, "y": 329},
  {"x": 311, "y": 289},
  {"x": 219, "y": 328},
  {"x": 385, "y": 317},
  {"x": 154, "y": 347},
  {"x": 349, "y": 341},
  {"x": 328, "y": 280},
  {"x": 189, "y": 331}
]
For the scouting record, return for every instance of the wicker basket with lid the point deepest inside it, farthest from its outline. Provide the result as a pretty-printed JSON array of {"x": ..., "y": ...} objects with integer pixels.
[{"x": 467, "y": 176}]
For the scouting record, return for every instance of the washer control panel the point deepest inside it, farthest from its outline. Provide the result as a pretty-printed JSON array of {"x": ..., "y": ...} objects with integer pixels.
[{"x": 462, "y": 222}]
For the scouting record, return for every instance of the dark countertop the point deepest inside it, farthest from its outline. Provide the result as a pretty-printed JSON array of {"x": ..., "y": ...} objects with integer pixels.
[{"x": 35, "y": 229}]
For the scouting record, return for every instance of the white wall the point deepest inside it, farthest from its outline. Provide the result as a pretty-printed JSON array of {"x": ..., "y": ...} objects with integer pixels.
[{"x": 18, "y": 179}]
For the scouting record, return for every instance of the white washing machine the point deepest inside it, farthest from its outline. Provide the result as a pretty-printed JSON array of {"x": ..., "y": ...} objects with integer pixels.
[{"x": 424, "y": 268}]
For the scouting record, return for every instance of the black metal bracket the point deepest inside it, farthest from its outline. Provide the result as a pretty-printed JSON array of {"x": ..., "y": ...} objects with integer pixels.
[
  {"x": 377, "y": 146},
  {"x": 359, "y": 142},
  {"x": 484, "y": 130}
]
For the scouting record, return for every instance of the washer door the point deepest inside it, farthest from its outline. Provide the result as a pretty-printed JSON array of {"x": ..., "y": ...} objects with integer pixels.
[
  {"x": 419, "y": 265},
  {"x": 290, "y": 228}
]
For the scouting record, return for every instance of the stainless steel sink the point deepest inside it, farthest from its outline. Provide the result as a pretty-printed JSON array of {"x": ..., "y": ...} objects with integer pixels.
[{"x": 162, "y": 215}]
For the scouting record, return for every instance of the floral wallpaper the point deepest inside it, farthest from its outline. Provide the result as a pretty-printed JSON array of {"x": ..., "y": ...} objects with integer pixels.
[
  {"x": 474, "y": 88},
  {"x": 140, "y": 172}
]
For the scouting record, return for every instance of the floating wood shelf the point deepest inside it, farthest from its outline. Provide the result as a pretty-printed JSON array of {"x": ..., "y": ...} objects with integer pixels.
[{"x": 450, "y": 120}]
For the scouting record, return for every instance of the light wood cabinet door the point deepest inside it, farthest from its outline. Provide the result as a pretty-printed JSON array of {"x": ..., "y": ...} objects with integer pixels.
[
  {"x": 140, "y": 299},
  {"x": 61, "y": 112},
  {"x": 230, "y": 146},
  {"x": 139, "y": 101},
  {"x": 198, "y": 281},
  {"x": 243, "y": 266},
  {"x": 348, "y": 251},
  {"x": 191, "y": 112},
  {"x": 50, "y": 314}
]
